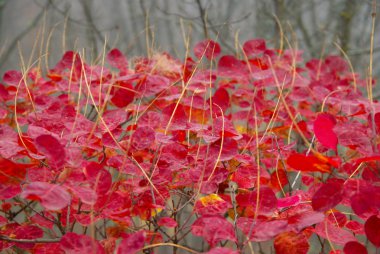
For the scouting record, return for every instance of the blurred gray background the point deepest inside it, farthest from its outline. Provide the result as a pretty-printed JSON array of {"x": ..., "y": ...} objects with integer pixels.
[{"x": 135, "y": 25}]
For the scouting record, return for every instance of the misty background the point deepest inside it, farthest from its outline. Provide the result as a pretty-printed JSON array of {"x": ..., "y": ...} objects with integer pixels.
[{"x": 138, "y": 27}]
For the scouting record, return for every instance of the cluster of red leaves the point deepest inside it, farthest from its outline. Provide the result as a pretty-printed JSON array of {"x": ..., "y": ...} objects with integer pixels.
[{"x": 123, "y": 156}]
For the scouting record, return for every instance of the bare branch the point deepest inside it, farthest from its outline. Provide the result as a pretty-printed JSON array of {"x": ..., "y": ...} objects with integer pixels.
[{"x": 39, "y": 240}]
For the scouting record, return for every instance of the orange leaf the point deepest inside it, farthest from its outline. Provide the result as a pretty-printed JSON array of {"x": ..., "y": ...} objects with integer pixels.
[
  {"x": 310, "y": 163},
  {"x": 291, "y": 243}
]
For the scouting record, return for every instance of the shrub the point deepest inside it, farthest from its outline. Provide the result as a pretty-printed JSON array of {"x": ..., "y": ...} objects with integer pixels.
[{"x": 124, "y": 156}]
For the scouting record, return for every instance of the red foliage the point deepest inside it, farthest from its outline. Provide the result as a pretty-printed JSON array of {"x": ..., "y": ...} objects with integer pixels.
[
  {"x": 291, "y": 243},
  {"x": 143, "y": 154},
  {"x": 323, "y": 129},
  {"x": 372, "y": 230}
]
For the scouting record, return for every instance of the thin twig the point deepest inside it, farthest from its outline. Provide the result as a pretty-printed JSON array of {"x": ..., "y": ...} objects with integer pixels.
[{"x": 38, "y": 240}]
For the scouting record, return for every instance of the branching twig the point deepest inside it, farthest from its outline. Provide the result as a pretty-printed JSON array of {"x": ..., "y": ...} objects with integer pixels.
[{"x": 38, "y": 240}]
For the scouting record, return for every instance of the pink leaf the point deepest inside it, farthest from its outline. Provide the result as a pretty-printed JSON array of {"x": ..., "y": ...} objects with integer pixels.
[
  {"x": 12, "y": 78},
  {"x": 253, "y": 47},
  {"x": 85, "y": 194},
  {"x": 209, "y": 48},
  {"x": 267, "y": 201},
  {"x": 327, "y": 196},
  {"x": 132, "y": 244},
  {"x": 230, "y": 66},
  {"x": 143, "y": 137},
  {"x": 211, "y": 205},
  {"x": 323, "y": 129},
  {"x": 3, "y": 221},
  {"x": 8, "y": 190},
  {"x": 229, "y": 149},
  {"x": 28, "y": 232},
  {"x": 117, "y": 60},
  {"x": 52, "y": 149},
  {"x": 213, "y": 229},
  {"x": 51, "y": 196},
  {"x": 330, "y": 231},
  {"x": 99, "y": 177},
  {"x": 372, "y": 230},
  {"x": 288, "y": 201},
  {"x": 304, "y": 219},
  {"x": 113, "y": 119},
  {"x": 152, "y": 85},
  {"x": 167, "y": 222},
  {"x": 262, "y": 230},
  {"x": 179, "y": 119},
  {"x": 73, "y": 243}
]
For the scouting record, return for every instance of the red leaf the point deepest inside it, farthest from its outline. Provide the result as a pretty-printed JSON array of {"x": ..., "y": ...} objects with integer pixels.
[
  {"x": 9, "y": 190},
  {"x": 354, "y": 248},
  {"x": 10, "y": 172},
  {"x": 229, "y": 149},
  {"x": 209, "y": 48},
  {"x": 17, "y": 231},
  {"x": 221, "y": 126},
  {"x": 113, "y": 119},
  {"x": 323, "y": 129},
  {"x": 71, "y": 61},
  {"x": 52, "y": 149},
  {"x": 327, "y": 196},
  {"x": 372, "y": 230},
  {"x": 230, "y": 66},
  {"x": 132, "y": 244},
  {"x": 304, "y": 219},
  {"x": 262, "y": 230},
  {"x": 309, "y": 163},
  {"x": 152, "y": 85},
  {"x": 12, "y": 78},
  {"x": 167, "y": 222},
  {"x": 253, "y": 47},
  {"x": 73, "y": 243},
  {"x": 222, "y": 99},
  {"x": 362, "y": 204},
  {"x": 4, "y": 95},
  {"x": 267, "y": 201},
  {"x": 213, "y": 229},
  {"x": 210, "y": 205},
  {"x": 288, "y": 201},
  {"x": 85, "y": 194},
  {"x": 99, "y": 177},
  {"x": 355, "y": 227},
  {"x": 143, "y": 137},
  {"x": 278, "y": 179},
  {"x": 51, "y": 196},
  {"x": 173, "y": 157},
  {"x": 291, "y": 243},
  {"x": 3, "y": 221},
  {"x": 179, "y": 119},
  {"x": 117, "y": 60},
  {"x": 358, "y": 161},
  {"x": 123, "y": 95},
  {"x": 51, "y": 248},
  {"x": 245, "y": 177}
]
